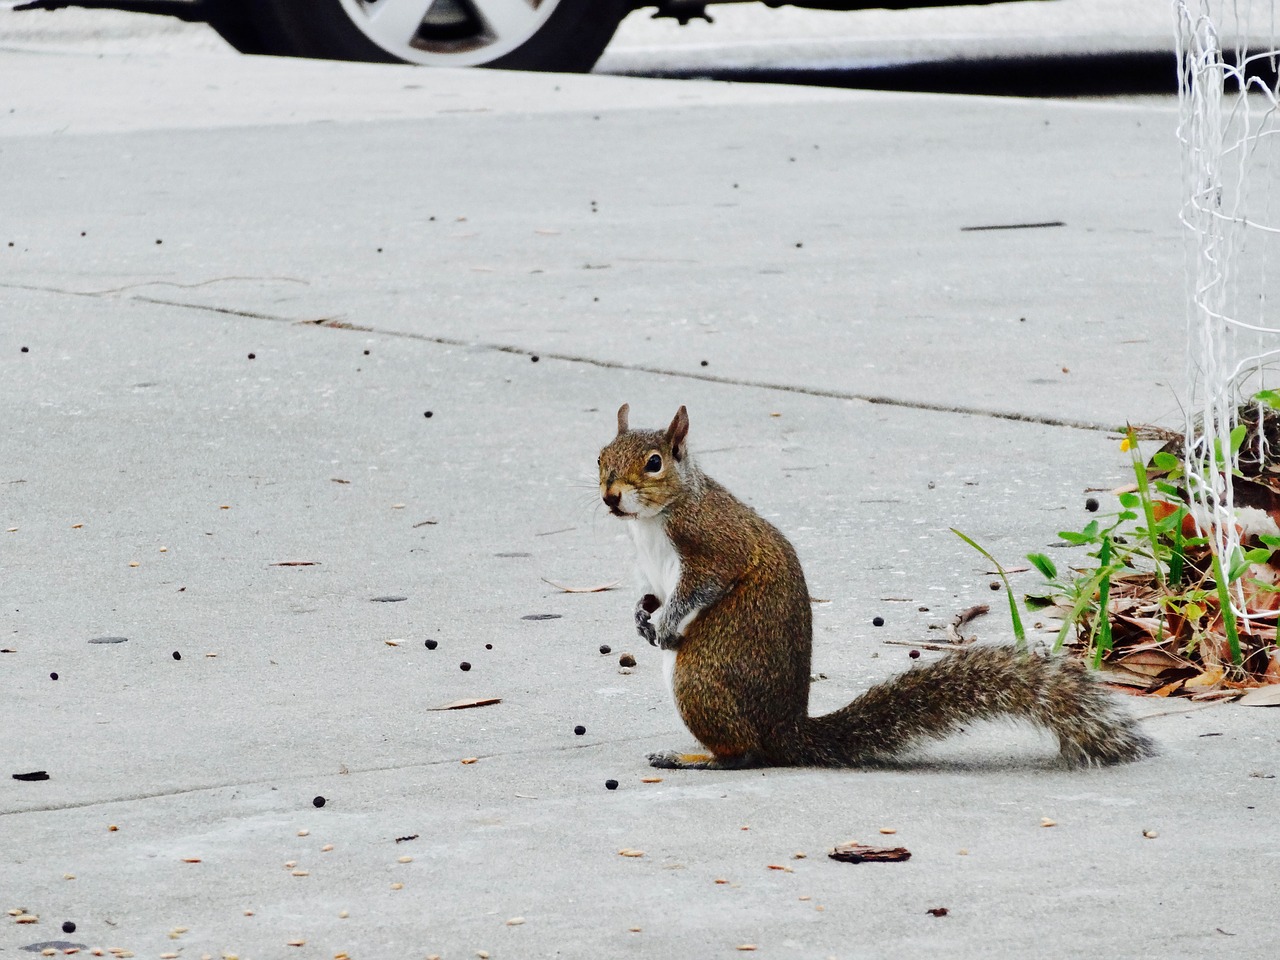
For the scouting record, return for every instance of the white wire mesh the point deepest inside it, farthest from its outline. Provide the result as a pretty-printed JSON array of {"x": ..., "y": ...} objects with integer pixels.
[{"x": 1229, "y": 127}]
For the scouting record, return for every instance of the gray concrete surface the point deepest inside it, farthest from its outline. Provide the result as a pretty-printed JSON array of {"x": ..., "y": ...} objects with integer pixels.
[{"x": 161, "y": 220}]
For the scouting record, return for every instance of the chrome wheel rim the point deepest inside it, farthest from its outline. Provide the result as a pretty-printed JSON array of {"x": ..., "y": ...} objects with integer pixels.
[{"x": 443, "y": 33}]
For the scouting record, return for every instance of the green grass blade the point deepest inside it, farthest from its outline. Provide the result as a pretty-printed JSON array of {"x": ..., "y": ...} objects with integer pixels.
[{"x": 1019, "y": 632}]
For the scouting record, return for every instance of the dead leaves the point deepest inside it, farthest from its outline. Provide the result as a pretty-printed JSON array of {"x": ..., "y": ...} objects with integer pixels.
[{"x": 861, "y": 853}]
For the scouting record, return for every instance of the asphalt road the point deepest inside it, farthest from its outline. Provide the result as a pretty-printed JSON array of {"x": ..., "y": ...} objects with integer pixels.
[{"x": 1040, "y": 47}]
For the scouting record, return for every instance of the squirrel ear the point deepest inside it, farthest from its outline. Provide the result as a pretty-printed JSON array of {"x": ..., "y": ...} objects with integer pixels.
[
  {"x": 676, "y": 433},
  {"x": 623, "y": 412}
]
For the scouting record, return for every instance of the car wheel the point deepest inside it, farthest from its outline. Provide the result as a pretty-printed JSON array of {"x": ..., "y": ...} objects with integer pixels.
[{"x": 563, "y": 35}]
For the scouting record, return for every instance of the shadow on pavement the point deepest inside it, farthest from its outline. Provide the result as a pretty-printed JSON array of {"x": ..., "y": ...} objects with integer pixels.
[{"x": 1067, "y": 75}]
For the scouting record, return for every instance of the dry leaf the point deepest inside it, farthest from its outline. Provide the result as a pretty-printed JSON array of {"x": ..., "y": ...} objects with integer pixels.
[
  {"x": 468, "y": 702},
  {"x": 1262, "y": 697},
  {"x": 600, "y": 589},
  {"x": 861, "y": 853}
]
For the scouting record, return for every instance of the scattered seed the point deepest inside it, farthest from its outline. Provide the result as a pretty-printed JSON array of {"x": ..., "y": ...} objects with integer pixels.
[
  {"x": 464, "y": 666},
  {"x": 779, "y": 866},
  {"x": 799, "y": 855},
  {"x": 432, "y": 644},
  {"x": 515, "y": 921},
  {"x": 1150, "y": 834},
  {"x": 938, "y": 911},
  {"x": 605, "y": 648},
  {"x": 629, "y": 852},
  {"x": 253, "y": 356},
  {"x": 343, "y": 914},
  {"x": 428, "y": 414},
  {"x": 703, "y": 363},
  {"x": 248, "y": 913},
  {"x": 32, "y": 776},
  {"x": 1046, "y": 822},
  {"x": 296, "y": 943},
  {"x": 914, "y": 654},
  {"x": 53, "y": 676},
  {"x": 301, "y": 873},
  {"x": 397, "y": 886},
  {"x": 26, "y": 918},
  {"x": 326, "y": 848},
  {"x": 877, "y": 621},
  {"x": 112, "y": 828},
  {"x": 318, "y": 802},
  {"x": 191, "y": 860},
  {"x": 611, "y": 784},
  {"x": 134, "y": 563},
  {"x": 68, "y": 876},
  {"x": 994, "y": 584},
  {"x": 888, "y": 829},
  {"x": 633, "y": 929},
  {"x": 404, "y": 859},
  {"x": 17, "y": 912},
  {"x": 177, "y": 655},
  {"x": 650, "y": 779},
  {"x": 471, "y": 760},
  {"x": 748, "y": 947},
  {"x": 579, "y": 730},
  {"x": 304, "y": 832},
  {"x": 720, "y": 880},
  {"x": 1091, "y": 504},
  {"x": 488, "y": 646},
  {"x": 627, "y": 660}
]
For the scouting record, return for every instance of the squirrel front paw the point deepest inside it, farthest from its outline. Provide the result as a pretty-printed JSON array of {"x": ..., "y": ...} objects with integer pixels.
[{"x": 644, "y": 625}]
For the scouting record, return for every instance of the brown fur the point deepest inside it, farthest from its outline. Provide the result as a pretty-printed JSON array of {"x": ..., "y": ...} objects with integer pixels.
[{"x": 741, "y": 681}]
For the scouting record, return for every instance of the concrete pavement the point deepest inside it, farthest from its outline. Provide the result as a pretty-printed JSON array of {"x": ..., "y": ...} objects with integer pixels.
[{"x": 242, "y": 285}]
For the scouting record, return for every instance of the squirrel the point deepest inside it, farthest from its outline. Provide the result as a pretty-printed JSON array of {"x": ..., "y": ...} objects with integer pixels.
[{"x": 729, "y": 608}]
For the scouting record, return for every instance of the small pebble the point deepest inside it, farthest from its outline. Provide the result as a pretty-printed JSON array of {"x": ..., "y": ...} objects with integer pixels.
[
  {"x": 579, "y": 730},
  {"x": 605, "y": 648},
  {"x": 432, "y": 644},
  {"x": 626, "y": 660},
  {"x": 611, "y": 784},
  {"x": 1091, "y": 504},
  {"x": 318, "y": 802},
  {"x": 464, "y": 666},
  {"x": 68, "y": 926},
  {"x": 877, "y": 621}
]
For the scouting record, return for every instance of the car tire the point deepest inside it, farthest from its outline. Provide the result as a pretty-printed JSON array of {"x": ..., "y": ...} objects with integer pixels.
[{"x": 559, "y": 35}]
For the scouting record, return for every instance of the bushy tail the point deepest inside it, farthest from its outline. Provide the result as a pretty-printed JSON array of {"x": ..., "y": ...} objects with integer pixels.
[{"x": 976, "y": 683}]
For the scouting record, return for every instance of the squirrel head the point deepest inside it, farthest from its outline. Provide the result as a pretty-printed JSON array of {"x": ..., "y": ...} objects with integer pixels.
[{"x": 643, "y": 471}]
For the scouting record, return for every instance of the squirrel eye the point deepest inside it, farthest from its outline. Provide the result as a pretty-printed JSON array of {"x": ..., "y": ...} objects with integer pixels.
[{"x": 654, "y": 464}]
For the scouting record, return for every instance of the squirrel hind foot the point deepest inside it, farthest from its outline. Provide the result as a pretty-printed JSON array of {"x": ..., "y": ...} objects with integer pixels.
[{"x": 675, "y": 760}]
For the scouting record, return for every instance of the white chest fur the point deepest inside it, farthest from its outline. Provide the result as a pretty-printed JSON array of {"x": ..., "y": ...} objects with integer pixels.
[{"x": 658, "y": 562}]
